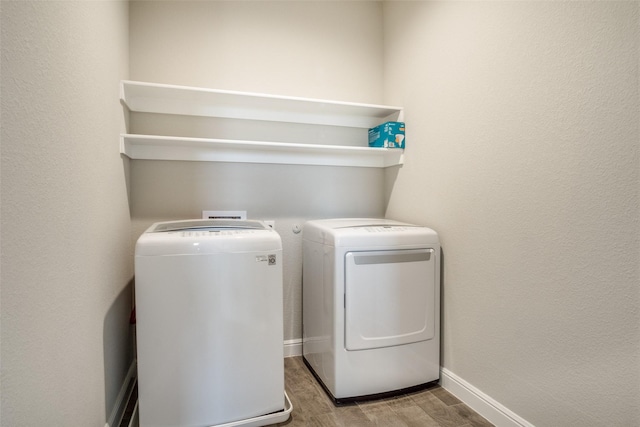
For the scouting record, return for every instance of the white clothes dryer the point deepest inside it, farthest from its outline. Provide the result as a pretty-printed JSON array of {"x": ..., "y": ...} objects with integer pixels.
[
  {"x": 210, "y": 324},
  {"x": 371, "y": 307}
]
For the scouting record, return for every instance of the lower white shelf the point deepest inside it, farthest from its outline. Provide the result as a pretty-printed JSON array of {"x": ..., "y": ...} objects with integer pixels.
[{"x": 148, "y": 147}]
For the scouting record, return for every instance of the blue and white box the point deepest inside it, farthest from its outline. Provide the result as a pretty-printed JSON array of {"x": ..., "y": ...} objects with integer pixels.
[{"x": 387, "y": 135}]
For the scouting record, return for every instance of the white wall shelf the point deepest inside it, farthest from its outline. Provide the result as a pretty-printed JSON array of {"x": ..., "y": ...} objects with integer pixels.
[
  {"x": 181, "y": 100},
  {"x": 149, "y": 147}
]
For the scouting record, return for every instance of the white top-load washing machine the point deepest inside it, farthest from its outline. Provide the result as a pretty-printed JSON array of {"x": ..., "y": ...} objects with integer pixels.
[
  {"x": 371, "y": 306},
  {"x": 210, "y": 324}
]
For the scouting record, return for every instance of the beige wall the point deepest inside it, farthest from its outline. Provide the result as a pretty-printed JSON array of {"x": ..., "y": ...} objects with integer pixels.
[
  {"x": 522, "y": 132},
  {"x": 317, "y": 49},
  {"x": 328, "y": 50},
  {"x": 66, "y": 242}
]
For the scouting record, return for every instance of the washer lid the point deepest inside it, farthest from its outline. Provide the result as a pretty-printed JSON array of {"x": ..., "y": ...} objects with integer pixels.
[
  {"x": 206, "y": 224},
  {"x": 207, "y": 236}
]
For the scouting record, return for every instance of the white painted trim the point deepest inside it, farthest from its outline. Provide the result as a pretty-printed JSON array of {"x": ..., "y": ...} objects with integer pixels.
[
  {"x": 197, "y": 101},
  {"x": 135, "y": 421},
  {"x": 156, "y": 147},
  {"x": 122, "y": 398},
  {"x": 293, "y": 347},
  {"x": 480, "y": 402}
]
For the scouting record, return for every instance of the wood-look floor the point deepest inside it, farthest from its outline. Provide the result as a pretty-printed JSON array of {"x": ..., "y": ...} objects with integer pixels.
[{"x": 434, "y": 407}]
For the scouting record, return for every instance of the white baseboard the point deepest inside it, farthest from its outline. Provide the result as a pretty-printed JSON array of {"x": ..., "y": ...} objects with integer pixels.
[
  {"x": 477, "y": 400},
  {"x": 293, "y": 347},
  {"x": 135, "y": 420},
  {"x": 483, "y": 404},
  {"x": 123, "y": 397}
]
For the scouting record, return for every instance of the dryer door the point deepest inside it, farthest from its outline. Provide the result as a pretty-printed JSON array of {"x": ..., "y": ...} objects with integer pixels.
[{"x": 389, "y": 298}]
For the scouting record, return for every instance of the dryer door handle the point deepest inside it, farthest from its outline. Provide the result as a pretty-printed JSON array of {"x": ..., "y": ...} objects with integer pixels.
[{"x": 387, "y": 258}]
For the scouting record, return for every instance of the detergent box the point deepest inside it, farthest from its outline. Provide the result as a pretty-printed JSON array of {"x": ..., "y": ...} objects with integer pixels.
[{"x": 387, "y": 135}]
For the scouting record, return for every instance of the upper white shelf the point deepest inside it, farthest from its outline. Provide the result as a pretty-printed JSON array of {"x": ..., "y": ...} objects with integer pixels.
[
  {"x": 170, "y": 99},
  {"x": 343, "y": 117}
]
